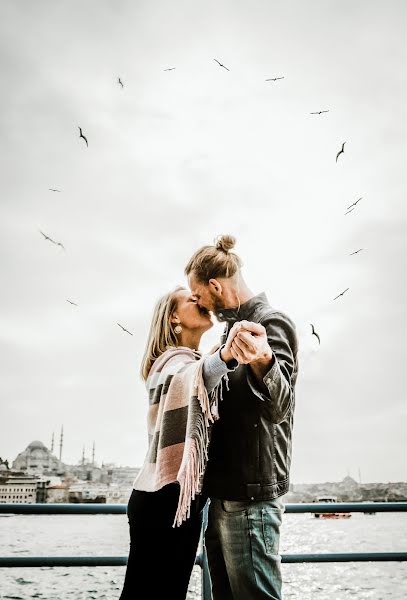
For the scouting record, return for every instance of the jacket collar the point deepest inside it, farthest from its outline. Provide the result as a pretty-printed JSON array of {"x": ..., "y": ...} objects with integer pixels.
[{"x": 245, "y": 312}]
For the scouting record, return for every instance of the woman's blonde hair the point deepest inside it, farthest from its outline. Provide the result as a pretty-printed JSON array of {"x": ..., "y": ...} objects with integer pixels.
[
  {"x": 212, "y": 262},
  {"x": 161, "y": 334}
]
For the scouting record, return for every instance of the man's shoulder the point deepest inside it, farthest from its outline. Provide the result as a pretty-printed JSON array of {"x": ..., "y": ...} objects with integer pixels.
[
  {"x": 270, "y": 314},
  {"x": 279, "y": 325}
]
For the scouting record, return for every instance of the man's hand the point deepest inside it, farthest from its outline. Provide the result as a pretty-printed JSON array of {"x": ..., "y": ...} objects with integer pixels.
[
  {"x": 226, "y": 352},
  {"x": 249, "y": 344}
]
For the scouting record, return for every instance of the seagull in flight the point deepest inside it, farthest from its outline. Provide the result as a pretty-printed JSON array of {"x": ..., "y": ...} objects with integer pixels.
[
  {"x": 170, "y": 69},
  {"x": 124, "y": 328},
  {"x": 53, "y": 190},
  {"x": 341, "y": 294},
  {"x": 220, "y": 64},
  {"x": 70, "y": 302},
  {"x": 51, "y": 240},
  {"x": 315, "y": 333},
  {"x": 119, "y": 81},
  {"x": 341, "y": 151},
  {"x": 82, "y": 136},
  {"x": 356, "y": 251},
  {"x": 319, "y": 112},
  {"x": 274, "y": 79},
  {"x": 354, "y": 204}
]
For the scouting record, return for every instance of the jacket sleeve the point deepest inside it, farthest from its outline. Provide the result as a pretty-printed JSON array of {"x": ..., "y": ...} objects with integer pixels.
[{"x": 281, "y": 377}]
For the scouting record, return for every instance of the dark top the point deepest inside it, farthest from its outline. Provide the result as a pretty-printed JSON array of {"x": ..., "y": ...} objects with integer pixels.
[{"x": 251, "y": 443}]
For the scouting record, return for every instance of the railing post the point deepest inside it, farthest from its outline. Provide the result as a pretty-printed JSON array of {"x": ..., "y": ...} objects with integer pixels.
[{"x": 205, "y": 577}]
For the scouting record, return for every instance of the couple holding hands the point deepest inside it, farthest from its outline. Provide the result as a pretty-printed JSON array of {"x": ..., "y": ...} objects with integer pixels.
[{"x": 220, "y": 429}]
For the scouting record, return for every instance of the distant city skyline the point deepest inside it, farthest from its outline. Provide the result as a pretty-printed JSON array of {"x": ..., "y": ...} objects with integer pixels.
[
  {"x": 91, "y": 460},
  {"x": 94, "y": 231}
]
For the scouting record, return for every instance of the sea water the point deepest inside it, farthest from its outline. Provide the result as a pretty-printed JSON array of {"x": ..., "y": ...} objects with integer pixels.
[{"x": 107, "y": 535}]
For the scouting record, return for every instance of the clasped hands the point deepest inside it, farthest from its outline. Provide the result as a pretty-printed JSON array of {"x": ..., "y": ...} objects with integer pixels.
[{"x": 247, "y": 343}]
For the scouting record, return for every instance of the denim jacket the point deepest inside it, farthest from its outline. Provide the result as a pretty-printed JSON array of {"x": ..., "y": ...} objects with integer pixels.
[{"x": 251, "y": 443}]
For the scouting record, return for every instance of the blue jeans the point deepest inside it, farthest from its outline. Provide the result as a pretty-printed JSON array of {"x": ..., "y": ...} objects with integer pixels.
[{"x": 242, "y": 543}]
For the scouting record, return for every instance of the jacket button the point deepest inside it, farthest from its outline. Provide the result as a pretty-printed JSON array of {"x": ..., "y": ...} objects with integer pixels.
[
  {"x": 255, "y": 425},
  {"x": 252, "y": 498}
]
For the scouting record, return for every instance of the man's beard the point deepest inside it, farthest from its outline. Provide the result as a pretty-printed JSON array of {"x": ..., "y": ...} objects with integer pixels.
[{"x": 217, "y": 308}]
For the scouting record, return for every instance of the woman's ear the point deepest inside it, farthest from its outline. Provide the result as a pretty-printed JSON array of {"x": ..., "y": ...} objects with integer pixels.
[{"x": 175, "y": 318}]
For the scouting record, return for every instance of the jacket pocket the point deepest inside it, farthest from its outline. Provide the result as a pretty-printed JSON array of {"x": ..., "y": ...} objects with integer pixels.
[{"x": 235, "y": 507}]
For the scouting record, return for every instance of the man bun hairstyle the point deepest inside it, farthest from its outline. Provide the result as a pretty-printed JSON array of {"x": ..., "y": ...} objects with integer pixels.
[
  {"x": 225, "y": 243},
  {"x": 215, "y": 262}
]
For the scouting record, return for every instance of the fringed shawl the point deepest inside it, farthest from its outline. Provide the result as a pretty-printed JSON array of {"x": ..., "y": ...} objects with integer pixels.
[{"x": 179, "y": 419}]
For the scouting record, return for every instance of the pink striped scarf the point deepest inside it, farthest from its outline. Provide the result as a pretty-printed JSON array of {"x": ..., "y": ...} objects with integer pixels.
[{"x": 179, "y": 421}]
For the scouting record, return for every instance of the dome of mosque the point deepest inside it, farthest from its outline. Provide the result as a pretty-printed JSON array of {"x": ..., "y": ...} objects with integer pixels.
[{"x": 36, "y": 444}]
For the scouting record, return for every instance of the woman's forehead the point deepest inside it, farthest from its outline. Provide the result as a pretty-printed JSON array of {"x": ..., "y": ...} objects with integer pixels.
[{"x": 184, "y": 294}]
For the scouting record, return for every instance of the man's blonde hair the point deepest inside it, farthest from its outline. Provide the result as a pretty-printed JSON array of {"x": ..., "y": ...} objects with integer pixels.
[{"x": 213, "y": 262}]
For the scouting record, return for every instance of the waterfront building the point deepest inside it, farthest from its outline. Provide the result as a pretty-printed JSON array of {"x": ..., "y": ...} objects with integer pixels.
[
  {"x": 122, "y": 476},
  {"x": 87, "y": 491},
  {"x": 57, "y": 493},
  {"x": 38, "y": 459},
  {"x": 16, "y": 489},
  {"x": 117, "y": 494}
]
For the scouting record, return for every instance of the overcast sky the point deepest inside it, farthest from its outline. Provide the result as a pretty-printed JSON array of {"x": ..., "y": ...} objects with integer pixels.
[{"x": 178, "y": 157}]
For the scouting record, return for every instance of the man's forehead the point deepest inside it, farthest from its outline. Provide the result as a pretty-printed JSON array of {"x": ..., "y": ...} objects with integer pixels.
[{"x": 194, "y": 284}]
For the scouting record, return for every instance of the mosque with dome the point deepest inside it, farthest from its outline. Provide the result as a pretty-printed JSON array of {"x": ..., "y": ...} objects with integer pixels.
[{"x": 37, "y": 458}]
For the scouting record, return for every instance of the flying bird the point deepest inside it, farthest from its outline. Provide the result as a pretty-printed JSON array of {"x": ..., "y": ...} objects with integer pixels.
[
  {"x": 170, "y": 69},
  {"x": 348, "y": 211},
  {"x": 341, "y": 151},
  {"x": 124, "y": 328},
  {"x": 51, "y": 240},
  {"x": 82, "y": 136},
  {"x": 341, "y": 294},
  {"x": 220, "y": 64},
  {"x": 274, "y": 79},
  {"x": 53, "y": 190},
  {"x": 354, "y": 204},
  {"x": 70, "y": 302},
  {"x": 356, "y": 251},
  {"x": 119, "y": 81},
  {"x": 315, "y": 333},
  {"x": 319, "y": 112}
]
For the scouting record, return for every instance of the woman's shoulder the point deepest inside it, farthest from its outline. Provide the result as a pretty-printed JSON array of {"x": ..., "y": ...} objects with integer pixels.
[{"x": 174, "y": 355}]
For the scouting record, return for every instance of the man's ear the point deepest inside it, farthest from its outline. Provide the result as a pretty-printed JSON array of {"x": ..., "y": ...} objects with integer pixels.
[{"x": 215, "y": 287}]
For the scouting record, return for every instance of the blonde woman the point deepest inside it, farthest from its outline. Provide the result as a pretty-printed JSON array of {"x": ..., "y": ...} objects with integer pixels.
[{"x": 165, "y": 507}]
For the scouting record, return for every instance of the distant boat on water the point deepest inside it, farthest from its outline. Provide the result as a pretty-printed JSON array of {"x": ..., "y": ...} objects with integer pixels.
[{"x": 334, "y": 515}]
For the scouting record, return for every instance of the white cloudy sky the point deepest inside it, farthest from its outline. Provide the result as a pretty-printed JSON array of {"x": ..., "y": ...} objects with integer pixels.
[{"x": 177, "y": 157}]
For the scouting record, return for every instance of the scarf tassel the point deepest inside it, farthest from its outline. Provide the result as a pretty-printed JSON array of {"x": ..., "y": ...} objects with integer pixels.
[{"x": 190, "y": 476}]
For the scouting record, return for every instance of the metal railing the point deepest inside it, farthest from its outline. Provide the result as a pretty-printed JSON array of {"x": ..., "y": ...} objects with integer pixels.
[{"x": 201, "y": 559}]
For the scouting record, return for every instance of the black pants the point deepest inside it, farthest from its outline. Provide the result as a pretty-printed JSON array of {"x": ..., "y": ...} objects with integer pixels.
[{"x": 161, "y": 557}]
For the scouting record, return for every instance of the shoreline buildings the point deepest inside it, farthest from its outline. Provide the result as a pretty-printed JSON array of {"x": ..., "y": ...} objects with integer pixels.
[{"x": 38, "y": 475}]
